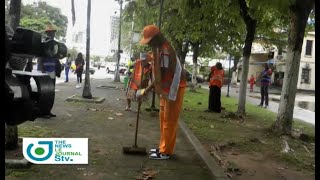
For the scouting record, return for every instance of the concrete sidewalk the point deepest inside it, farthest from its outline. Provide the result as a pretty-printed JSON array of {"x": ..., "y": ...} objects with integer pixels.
[
  {"x": 108, "y": 136},
  {"x": 254, "y": 98}
]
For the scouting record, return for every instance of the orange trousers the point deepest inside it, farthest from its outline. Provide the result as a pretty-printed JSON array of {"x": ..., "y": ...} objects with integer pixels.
[{"x": 169, "y": 116}]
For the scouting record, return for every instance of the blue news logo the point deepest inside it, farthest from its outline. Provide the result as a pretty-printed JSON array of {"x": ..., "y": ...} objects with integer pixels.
[
  {"x": 38, "y": 153},
  {"x": 56, "y": 150}
]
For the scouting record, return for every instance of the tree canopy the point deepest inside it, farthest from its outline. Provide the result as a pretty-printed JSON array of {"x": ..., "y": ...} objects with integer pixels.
[{"x": 30, "y": 14}]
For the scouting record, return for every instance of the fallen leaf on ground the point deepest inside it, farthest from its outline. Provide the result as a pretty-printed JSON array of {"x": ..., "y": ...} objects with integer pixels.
[
  {"x": 150, "y": 172},
  {"x": 119, "y": 114},
  {"x": 81, "y": 169},
  {"x": 110, "y": 118},
  {"x": 69, "y": 115},
  {"x": 93, "y": 109},
  {"x": 87, "y": 174},
  {"x": 139, "y": 178},
  {"x": 229, "y": 175},
  {"x": 211, "y": 126},
  {"x": 280, "y": 168}
]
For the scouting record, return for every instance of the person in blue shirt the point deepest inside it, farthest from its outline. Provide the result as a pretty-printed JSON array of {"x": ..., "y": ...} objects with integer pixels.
[
  {"x": 67, "y": 66},
  {"x": 265, "y": 83}
]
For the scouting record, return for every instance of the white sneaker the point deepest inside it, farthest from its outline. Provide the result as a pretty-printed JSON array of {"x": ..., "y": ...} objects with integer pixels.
[
  {"x": 77, "y": 86},
  {"x": 159, "y": 156},
  {"x": 154, "y": 150}
]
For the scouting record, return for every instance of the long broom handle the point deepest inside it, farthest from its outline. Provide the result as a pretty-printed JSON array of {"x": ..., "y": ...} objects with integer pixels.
[
  {"x": 139, "y": 105},
  {"x": 137, "y": 124}
]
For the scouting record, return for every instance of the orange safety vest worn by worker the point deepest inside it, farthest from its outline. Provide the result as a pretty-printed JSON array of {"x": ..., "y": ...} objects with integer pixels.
[
  {"x": 216, "y": 78},
  {"x": 172, "y": 83},
  {"x": 139, "y": 76},
  {"x": 167, "y": 71},
  {"x": 169, "y": 82}
]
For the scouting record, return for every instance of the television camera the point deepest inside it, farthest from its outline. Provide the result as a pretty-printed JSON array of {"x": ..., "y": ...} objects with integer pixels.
[{"x": 22, "y": 102}]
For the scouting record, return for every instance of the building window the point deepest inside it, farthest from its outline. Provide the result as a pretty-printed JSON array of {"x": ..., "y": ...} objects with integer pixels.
[
  {"x": 305, "y": 76},
  {"x": 309, "y": 48}
]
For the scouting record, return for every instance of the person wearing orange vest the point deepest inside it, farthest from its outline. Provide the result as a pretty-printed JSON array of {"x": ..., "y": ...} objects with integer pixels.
[
  {"x": 138, "y": 79},
  {"x": 216, "y": 82},
  {"x": 169, "y": 83}
]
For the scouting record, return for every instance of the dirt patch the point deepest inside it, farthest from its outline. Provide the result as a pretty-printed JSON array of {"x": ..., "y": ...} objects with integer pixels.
[
  {"x": 259, "y": 166},
  {"x": 255, "y": 165}
]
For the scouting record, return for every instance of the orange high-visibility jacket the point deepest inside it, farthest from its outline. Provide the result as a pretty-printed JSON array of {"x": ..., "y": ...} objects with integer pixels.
[
  {"x": 216, "y": 78},
  {"x": 165, "y": 62},
  {"x": 139, "y": 75}
]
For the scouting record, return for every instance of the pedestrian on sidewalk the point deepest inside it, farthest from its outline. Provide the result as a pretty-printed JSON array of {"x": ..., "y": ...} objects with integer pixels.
[
  {"x": 216, "y": 81},
  {"x": 139, "y": 79},
  {"x": 265, "y": 83},
  {"x": 169, "y": 83},
  {"x": 79, "y": 69},
  {"x": 252, "y": 81},
  {"x": 67, "y": 66}
]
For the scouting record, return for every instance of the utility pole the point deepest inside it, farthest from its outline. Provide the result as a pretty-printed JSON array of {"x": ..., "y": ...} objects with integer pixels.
[
  {"x": 153, "y": 107},
  {"x": 116, "y": 74}
]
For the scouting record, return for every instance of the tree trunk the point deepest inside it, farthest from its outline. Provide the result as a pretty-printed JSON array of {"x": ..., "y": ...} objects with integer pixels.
[
  {"x": 195, "y": 55},
  {"x": 87, "y": 88},
  {"x": 234, "y": 70},
  {"x": 299, "y": 13},
  {"x": 14, "y": 12},
  {"x": 185, "y": 50},
  {"x": 251, "y": 29},
  {"x": 11, "y": 132}
]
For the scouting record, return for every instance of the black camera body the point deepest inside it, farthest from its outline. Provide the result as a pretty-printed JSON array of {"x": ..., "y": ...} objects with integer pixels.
[{"x": 22, "y": 102}]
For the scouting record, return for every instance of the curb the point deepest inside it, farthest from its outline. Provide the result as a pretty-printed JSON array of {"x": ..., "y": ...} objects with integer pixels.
[
  {"x": 215, "y": 169},
  {"x": 76, "y": 98},
  {"x": 17, "y": 164}
]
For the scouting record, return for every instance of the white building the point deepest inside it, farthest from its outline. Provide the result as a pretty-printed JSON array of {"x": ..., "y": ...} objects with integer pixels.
[
  {"x": 259, "y": 56},
  {"x": 306, "y": 80}
]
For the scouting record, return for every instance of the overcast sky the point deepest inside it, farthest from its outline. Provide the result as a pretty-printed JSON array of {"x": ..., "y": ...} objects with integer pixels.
[{"x": 101, "y": 10}]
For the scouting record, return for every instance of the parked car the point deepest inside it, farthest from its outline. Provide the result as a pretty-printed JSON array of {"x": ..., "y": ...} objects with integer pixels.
[
  {"x": 198, "y": 77},
  {"x": 91, "y": 70},
  {"x": 110, "y": 67}
]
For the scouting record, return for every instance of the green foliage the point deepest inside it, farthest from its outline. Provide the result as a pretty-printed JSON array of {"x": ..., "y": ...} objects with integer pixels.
[
  {"x": 95, "y": 58},
  {"x": 108, "y": 59},
  {"x": 35, "y": 24},
  {"x": 37, "y": 15}
]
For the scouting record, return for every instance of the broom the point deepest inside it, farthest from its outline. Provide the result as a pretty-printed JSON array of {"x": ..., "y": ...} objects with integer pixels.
[{"x": 135, "y": 149}]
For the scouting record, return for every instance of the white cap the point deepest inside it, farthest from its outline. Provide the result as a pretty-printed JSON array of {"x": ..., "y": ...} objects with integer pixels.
[{"x": 143, "y": 56}]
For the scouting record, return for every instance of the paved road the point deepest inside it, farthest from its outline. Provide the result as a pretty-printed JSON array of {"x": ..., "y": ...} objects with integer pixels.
[{"x": 253, "y": 98}]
